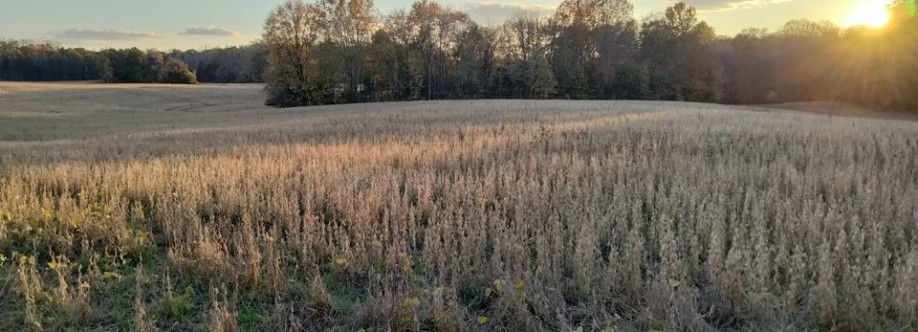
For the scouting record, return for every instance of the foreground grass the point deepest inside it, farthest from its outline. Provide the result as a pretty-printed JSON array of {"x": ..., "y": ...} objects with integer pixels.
[{"x": 531, "y": 216}]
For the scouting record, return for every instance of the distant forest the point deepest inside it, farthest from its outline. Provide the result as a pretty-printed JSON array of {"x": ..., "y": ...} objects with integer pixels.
[
  {"x": 338, "y": 51},
  {"x": 23, "y": 61}
]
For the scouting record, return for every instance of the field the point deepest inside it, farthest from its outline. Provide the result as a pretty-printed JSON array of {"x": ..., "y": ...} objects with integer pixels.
[{"x": 145, "y": 207}]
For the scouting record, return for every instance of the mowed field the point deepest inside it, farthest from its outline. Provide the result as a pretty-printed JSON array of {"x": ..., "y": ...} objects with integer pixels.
[{"x": 151, "y": 207}]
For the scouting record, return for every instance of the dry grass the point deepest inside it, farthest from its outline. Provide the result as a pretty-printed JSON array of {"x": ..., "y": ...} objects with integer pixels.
[{"x": 116, "y": 213}]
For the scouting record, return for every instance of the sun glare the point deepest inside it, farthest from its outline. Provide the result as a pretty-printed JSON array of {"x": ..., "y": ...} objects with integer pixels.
[{"x": 872, "y": 13}]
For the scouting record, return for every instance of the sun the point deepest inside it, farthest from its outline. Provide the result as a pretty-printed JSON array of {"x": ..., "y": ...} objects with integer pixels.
[{"x": 871, "y": 13}]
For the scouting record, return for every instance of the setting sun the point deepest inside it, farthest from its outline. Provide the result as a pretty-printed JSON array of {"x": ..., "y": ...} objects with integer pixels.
[{"x": 872, "y": 13}]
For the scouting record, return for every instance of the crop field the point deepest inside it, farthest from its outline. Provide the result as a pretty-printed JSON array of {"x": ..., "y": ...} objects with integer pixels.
[{"x": 150, "y": 207}]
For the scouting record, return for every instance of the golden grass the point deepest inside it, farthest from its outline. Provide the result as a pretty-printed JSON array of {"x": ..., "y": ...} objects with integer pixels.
[{"x": 463, "y": 215}]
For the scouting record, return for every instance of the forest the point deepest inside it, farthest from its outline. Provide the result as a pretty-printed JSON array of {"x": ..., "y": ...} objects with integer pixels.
[
  {"x": 24, "y": 61},
  {"x": 335, "y": 52}
]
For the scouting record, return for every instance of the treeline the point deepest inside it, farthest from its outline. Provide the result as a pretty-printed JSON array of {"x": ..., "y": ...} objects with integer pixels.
[
  {"x": 336, "y": 51},
  {"x": 23, "y": 61},
  {"x": 807, "y": 61},
  {"x": 237, "y": 64},
  {"x": 45, "y": 62}
]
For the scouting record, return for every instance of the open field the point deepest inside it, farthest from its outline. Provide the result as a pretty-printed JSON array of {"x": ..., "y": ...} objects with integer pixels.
[{"x": 144, "y": 208}]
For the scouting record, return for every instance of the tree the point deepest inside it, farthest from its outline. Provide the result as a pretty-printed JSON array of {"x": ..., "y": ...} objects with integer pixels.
[
  {"x": 128, "y": 66},
  {"x": 476, "y": 61},
  {"x": 397, "y": 62},
  {"x": 349, "y": 25},
  {"x": 681, "y": 18},
  {"x": 176, "y": 71},
  {"x": 290, "y": 33},
  {"x": 615, "y": 66},
  {"x": 527, "y": 60},
  {"x": 570, "y": 66},
  {"x": 527, "y": 32},
  {"x": 808, "y": 29},
  {"x": 805, "y": 56},
  {"x": 901, "y": 66},
  {"x": 236, "y": 64},
  {"x": 435, "y": 32},
  {"x": 593, "y": 13},
  {"x": 155, "y": 62},
  {"x": 539, "y": 78},
  {"x": 592, "y": 41},
  {"x": 676, "y": 49},
  {"x": 748, "y": 67}
]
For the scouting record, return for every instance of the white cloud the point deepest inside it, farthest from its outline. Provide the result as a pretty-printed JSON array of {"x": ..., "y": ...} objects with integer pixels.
[
  {"x": 211, "y": 31},
  {"x": 102, "y": 34},
  {"x": 496, "y": 13}
]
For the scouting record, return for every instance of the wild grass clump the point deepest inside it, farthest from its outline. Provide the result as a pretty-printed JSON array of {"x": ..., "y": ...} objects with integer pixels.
[{"x": 674, "y": 217}]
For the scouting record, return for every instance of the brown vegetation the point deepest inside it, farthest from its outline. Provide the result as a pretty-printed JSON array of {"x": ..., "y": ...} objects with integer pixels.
[{"x": 468, "y": 215}]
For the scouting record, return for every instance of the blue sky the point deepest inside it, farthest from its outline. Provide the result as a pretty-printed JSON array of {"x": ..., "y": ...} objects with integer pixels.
[{"x": 167, "y": 24}]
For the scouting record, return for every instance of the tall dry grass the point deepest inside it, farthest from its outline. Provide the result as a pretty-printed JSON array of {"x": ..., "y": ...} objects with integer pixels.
[{"x": 534, "y": 216}]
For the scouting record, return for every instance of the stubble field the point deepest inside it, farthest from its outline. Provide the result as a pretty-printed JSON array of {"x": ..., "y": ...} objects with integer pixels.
[{"x": 145, "y": 207}]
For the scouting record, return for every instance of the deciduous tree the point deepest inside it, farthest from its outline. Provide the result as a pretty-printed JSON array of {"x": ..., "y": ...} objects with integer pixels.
[{"x": 290, "y": 33}]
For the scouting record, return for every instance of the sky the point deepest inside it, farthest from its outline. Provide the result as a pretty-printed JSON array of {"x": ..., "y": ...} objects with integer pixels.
[{"x": 201, "y": 24}]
